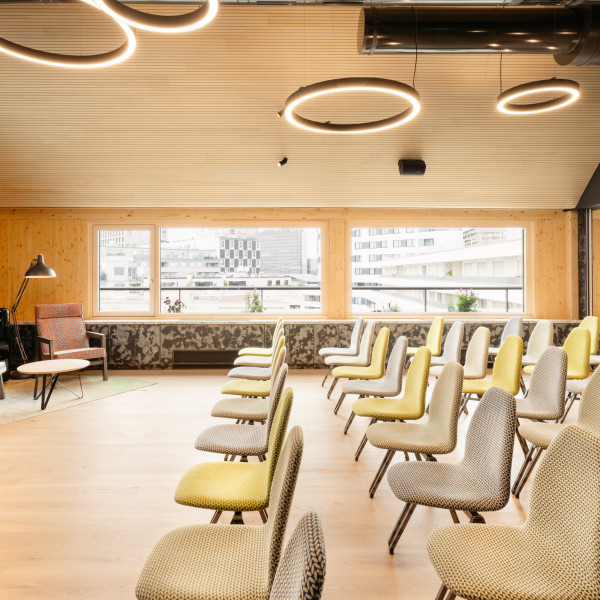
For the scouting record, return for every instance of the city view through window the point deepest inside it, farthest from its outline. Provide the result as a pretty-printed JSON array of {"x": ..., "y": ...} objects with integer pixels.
[
  {"x": 437, "y": 270},
  {"x": 212, "y": 270}
]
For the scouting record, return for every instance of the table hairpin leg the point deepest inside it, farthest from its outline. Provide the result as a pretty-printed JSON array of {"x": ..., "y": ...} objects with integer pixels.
[{"x": 52, "y": 384}]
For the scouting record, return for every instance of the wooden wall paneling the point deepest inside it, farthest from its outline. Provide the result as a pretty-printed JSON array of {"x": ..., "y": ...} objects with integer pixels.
[{"x": 337, "y": 261}]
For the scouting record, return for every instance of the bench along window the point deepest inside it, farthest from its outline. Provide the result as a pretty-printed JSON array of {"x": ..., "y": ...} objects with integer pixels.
[
  {"x": 438, "y": 270},
  {"x": 240, "y": 270}
]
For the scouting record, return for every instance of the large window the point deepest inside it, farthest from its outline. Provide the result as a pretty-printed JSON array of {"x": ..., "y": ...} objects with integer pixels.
[{"x": 438, "y": 270}]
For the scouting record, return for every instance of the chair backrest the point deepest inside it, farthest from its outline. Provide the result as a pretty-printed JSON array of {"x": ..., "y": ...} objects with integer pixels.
[
  {"x": 548, "y": 382},
  {"x": 445, "y": 402},
  {"x": 514, "y": 326},
  {"x": 366, "y": 340},
  {"x": 395, "y": 366},
  {"x": 415, "y": 386},
  {"x": 489, "y": 444},
  {"x": 477, "y": 354},
  {"x": 541, "y": 337},
  {"x": 276, "y": 337},
  {"x": 278, "y": 358},
  {"x": 301, "y": 571},
  {"x": 589, "y": 405},
  {"x": 507, "y": 367},
  {"x": 282, "y": 494},
  {"x": 275, "y": 396},
  {"x": 62, "y": 323},
  {"x": 278, "y": 326},
  {"x": 355, "y": 336},
  {"x": 577, "y": 347},
  {"x": 379, "y": 353},
  {"x": 278, "y": 429},
  {"x": 593, "y": 324},
  {"x": 453, "y": 343},
  {"x": 434, "y": 336},
  {"x": 564, "y": 512}
]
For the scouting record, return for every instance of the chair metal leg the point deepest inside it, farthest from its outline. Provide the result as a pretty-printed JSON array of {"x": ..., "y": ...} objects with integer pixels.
[
  {"x": 363, "y": 443},
  {"x": 335, "y": 380},
  {"x": 445, "y": 594},
  {"x": 401, "y": 524},
  {"x": 454, "y": 516},
  {"x": 474, "y": 517},
  {"x": 263, "y": 515},
  {"x": 522, "y": 441},
  {"x": 430, "y": 458},
  {"x": 418, "y": 456},
  {"x": 339, "y": 403},
  {"x": 217, "y": 514},
  {"x": 522, "y": 386},
  {"x": 326, "y": 376},
  {"x": 383, "y": 467},
  {"x": 2, "y": 392},
  {"x": 237, "y": 518},
  {"x": 515, "y": 486},
  {"x": 463, "y": 406},
  {"x": 570, "y": 399},
  {"x": 349, "y": 422},
  {"x": 104, "y": 369},
  {"x": 527, "y": 473},
  {"x": 35, "y": 387}
]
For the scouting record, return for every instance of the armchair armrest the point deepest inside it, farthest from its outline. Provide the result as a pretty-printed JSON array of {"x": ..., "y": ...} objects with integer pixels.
[
  {"x": 98, "y": 336},
  {"x": 42, "y": 340}
]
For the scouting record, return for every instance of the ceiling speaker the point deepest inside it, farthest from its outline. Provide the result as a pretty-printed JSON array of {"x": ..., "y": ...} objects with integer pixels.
[{"x": 412, "y": 167}]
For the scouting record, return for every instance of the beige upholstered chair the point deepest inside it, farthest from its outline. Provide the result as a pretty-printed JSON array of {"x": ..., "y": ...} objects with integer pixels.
[
  {"x": 351, "y": 350},
  {"x": 388, "y": 386},
  {"x": 258, "y": 360},
  {"x": 480, "y": 482},
  {"x": 541, "y": 337},
  {"x": 540, "y": 434},
  {"x": 301, "y": 571},
  {"x": 261, "y": 351},
  {"x": 259, "y": 373},
  {"x": 436, "y": 436},
  {"x": 553, "y": 555},
  {"x": 476, "y": 358},
  {"x": 225, "y": 562},
  {"x": 244, "y": 440},
  {"x": 452, "y": 348},
  {"x": 593, "y": 325},
  {"x": 514, "y": 326}
]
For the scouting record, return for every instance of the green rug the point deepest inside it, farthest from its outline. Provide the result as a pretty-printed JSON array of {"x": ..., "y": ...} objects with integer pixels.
[{"x": 19, "y": 403}]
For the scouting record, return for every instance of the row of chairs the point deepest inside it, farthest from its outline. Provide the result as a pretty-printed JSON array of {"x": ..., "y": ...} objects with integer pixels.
[{"x": 238, "y": 561}]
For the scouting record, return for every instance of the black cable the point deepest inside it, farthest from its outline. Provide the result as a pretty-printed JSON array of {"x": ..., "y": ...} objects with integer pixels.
[{"x": 416, "y": 45}]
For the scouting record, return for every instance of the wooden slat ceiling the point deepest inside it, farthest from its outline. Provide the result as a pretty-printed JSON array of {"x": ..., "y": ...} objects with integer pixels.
[{"x": 191, "y": 120}]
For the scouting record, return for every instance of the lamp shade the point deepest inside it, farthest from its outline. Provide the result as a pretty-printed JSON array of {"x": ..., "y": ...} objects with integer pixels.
[{"x": 39, "y": 270}]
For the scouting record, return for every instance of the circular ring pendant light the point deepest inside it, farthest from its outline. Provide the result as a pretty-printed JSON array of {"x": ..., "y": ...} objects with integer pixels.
[
  {"x": 161, "y": 23},
  {"x": 352, "y": 84},
  {"x": 73, "y": 61},
  {"x": 568, "y": 89}
]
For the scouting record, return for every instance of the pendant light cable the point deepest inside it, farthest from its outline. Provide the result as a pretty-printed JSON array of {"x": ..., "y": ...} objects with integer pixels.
[{"x": 416, "y": 45}]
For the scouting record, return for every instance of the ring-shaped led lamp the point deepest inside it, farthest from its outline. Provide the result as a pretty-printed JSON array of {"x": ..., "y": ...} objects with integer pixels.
[
  {"x": 72, "y": 61},
  {"x": 161, "y": 23},
  {"x": 352, "y": 84},
  {"x": 568, "y": 89}
]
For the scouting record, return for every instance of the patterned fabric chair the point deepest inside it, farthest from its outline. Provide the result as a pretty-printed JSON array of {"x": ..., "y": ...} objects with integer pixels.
[
  {"x": 452, "y": 348},
  {"x": 553, "y": 555},
  {"x": 258, "y": 373},
  {"x": 255, "y": 351},
  {"x": 257, "y": 360},
  {"x": 480, "y": 482},
  {"x": 352, "y": 349},
  {"x": 237, "y": 486},
  {"x": 437, "y": 436},
  {"x": 386, "y": 387},
  {"x": 301, "y": 571},
  {"x": 514, "y": 326},
  {"x": 476, "y": 358},
  {"x": 225, "y": 562},
  {"x": 61, "y": 333}
]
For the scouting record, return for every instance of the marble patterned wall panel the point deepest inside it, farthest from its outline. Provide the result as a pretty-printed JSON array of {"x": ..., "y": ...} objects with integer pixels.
[
  {"x": 326, "y": 336},
  {"x": 301, "y": 344},
  {"x": 234, "y": 336},
  {"x": 148, "y": 344},
  {"x": 122, "y": 341}
]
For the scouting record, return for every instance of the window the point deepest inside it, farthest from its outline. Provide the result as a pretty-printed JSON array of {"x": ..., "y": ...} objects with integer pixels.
[{"x": 429, "y": 274}]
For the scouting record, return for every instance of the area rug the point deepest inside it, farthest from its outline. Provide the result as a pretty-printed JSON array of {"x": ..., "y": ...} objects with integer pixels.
[{"x": 19, "y": 403}]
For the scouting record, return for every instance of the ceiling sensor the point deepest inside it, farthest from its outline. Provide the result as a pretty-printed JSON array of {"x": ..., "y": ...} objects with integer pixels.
[
  {"x": 282, "y": 162},
  {"x": 412, "y": 167}
]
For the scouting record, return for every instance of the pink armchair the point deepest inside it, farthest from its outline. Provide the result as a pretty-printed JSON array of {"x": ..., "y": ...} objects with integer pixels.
[{"x": 61, "y": 333}]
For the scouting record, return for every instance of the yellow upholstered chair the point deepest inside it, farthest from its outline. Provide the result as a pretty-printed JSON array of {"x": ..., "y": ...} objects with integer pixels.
[
  {"x": 434, "y": 338},
  {"x": 505, "y": 375},
  {"x": 374, "y": 370},
  {"x": 237, "y": 486},
  {"x": 410, "y": 406},
  {"x": 593, "y": 324},
  {"x": 254, "y": 351},
  {"x": 255, "y": 360},
  {"x": 256, "y": 388}
]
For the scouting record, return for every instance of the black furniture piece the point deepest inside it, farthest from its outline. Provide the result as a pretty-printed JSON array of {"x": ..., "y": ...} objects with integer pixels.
[{"x": 5, "y": 341}]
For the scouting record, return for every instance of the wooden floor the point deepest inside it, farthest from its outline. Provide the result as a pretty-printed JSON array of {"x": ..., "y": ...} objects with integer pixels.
[{"x": 86, "y": 492}]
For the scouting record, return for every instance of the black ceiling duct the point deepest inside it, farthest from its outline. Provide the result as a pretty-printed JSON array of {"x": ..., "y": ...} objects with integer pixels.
[{"x": 572, "y": 35}]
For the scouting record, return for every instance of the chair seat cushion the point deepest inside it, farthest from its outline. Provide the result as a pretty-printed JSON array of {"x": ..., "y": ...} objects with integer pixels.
[
  {"x": 256, "y": 352},
  {"x": 338, "y": 351},
  {"x": 207, "y": 562},
  {"x": 239, "y": 440},
  {"x": 236, "y": 486},
  {"x": 372, "y": 387},
  {"x": 540, "y": 434},
  {"x": 493, "y": 351},
  {"x": 84, "y": 353},
  {"x": 386, "y": 408},
  {"x": 442, "y": 485},
  {"x": 247, "y": 387},
  {"x": 476, "y": 386},
  {"x": 260, "y": 373},
  {"x": 498, "y": 562},
  {"x": 247, "y": 409},
  {"x": 350, "y": 361},
  {"x": 410, "y": 437},
  {"x": 412, "y": 350},
  {"x": 570, "y": 374},
  {"x": 528, "y": 410},
  {"x": 595, "y": 359},
  {"x": 347, "y": 372},
  {"x": 577, "y": 386},
  {"x": 253, "y": 361}
]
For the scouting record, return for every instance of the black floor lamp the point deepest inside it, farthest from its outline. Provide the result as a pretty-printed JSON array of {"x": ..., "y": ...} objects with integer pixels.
[{"x": 38, "y": 269}]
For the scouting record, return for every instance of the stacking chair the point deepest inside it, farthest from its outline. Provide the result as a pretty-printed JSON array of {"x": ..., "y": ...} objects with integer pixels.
[
  {"x": 546, "y": 398},
  {"x": 540, "y": 434},
  {"x": 256, "y": 388},
  {"x": 593, "y": 324},
  {"x": 374, "y": 370},
  {"x": 437, "y": 436},
  {"x": 452, "y": 348},
  {"x": 476, "y": 358},
  {"x": 541, "y": 337},
  {"x": 506, "y": 373},
  {"x": 237, "y": 486},
  {"x": 221, "y": 562},
  {"x": 480, "y": 482},
  {"x": 300, "y": 574},
  {"x": 244, "y": 440},
  {"x": 362, "y": 359},
  {"x": 389, "y": 385},
  {"x": 434, "y": 338},
  {"x": 258, "y": 373},
  {"x": 351, "y": 350},
  {"x": 514, "y": 326},
  {"x": 257, "y": 351},
  {"x": 409, "y": 407},
  {"x": 254, "y": 360},
  {"x": 553, "y": 555}
]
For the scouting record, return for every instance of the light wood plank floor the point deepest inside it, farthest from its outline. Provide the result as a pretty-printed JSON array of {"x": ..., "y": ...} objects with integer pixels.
[{"x": 86, "y": 492}]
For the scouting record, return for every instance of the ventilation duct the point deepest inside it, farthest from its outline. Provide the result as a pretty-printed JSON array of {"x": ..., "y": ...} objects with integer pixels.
[{"x": 572, "y": 35}]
